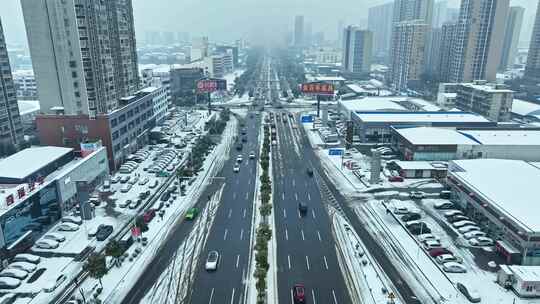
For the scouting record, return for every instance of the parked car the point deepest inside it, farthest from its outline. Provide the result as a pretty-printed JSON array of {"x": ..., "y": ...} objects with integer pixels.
[
  {"x": 450, "y": 213},
  {"x": 103, "y": 232},
  {"x": 72, "y": 219},
  {"x": 419, "y": 230},
  {"x": 454, "y": 267},
  {"x": 473, "y": 234},
  {"x": 52, "y": 285},
  {"x": 401, "y": 210},
  {"x": 468, "y": 228},
  {"x": 445, "y": 258},
  {"x": 145, "y": 194},
  {"x": 430, "y": 244},
  {"x": 14, "y": 273},
  {"x": 411, "y": 217},
  {"x": 457, "y": 218},
  {"x": 481, "y": 241},
  {"x": 55, "y": 237},
  {"x": 153, "y": 184},
  {"x": 417, "y": 195},
  {"x": 68, "y": 227},
  {"x": 125, "y": 188},
  {"x": 299, "y": 294},
  {"x": 471, "y": 295},
  {"x": 427, "y": 237},
  {"x": 125, "y": 203},
  {"x": 212, "y": 261},
  {"x": 445, "y": 194},
  {"x": 443, "y": 205},
  {"x": 435, "y": 252},
  {"x": 396, "y": 178},
  {"x": 26, "y": 257},
  {"x": 47, "y": 244},
  {"x": 9, "y": 283},
  {"x": 463, "y": 223},
  {"x": 26, "y": 266},
  {"x": 115, "y": 179},
  {"x": 134, "y": 204}
]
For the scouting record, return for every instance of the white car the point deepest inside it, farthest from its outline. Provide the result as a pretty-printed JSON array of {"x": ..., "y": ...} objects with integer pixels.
[
  {"x": 481, "y": 241},
  {"x": 124, "y": 204},
  {"x": 9, "y": 283},
  {"x": 14, "y": 273},
  {"x": 144, "y": 181},
  {"x": 72, "y": 219},
  {"x": 445, "y": 258},
  {"x": 473, "y": 234},
  {"x": 417, "y": 195},
  {"x": 236, "y": 169},
  {"x": 252, "y": 155},
  {"x": 134, "y": 180},
  {"x": 26, "y": 257},
  {"x": 55, "y": 237},
  {"x": 125, "y": 188},
  {"x": 52, "y": 285},
  {"x": 463, "y": 223},
  {"x": 212, "y": 260},
  {"x": 115, "y": 179},
  {"x": 401, "y": 210},
  {"x": 450, "y": 213},
  {"x": 68, "y": 227},
  {"x": 454, "y": 267},
  {"x": 239, "y": 158},
  {"x": 26, "y": 266},
  {"x": 427, "y": 237},
  {"x": 47, "y": 244},
  {"x": 154, "y": 184},
  {"x": 468, "y": 228},
  {"x": 274, "y": 142},
  {"x": 430, "y": 244}
]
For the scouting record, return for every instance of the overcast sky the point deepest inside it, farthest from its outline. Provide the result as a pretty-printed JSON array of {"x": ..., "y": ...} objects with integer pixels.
[{"x": 231, "y": 19}]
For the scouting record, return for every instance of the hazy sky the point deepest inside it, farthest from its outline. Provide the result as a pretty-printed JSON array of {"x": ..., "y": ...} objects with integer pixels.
[{"x": 231, "y": 19}]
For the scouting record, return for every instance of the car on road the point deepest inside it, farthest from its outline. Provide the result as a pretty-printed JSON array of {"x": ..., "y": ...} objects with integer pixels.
[
  {"x": 125, "y": 188},
  {"x": 68, "y": 227},
  {"x": 274, "y": 142},
  {"x": 236, "y": 168},
  {"x": 47, "y": 244},
  {"x": 252, "y": 155},
  {"x": 299, "y": 294},
  {"x": 212, "y": 261},
  {"x": 26, "y": 266},
  {"x": 454, "y": 267},
  {"x": 244, "y": 139},
  {"x": 395, "y": 178},
  {"x": 463, "y": 223},
  {"x": 445, "y": 258},
  {"x": 417, "y": 195},
  {"x": 103, "y": 232},
  {"x": 239, "y": 159},
  {"x": 165, "y": 196},
  {"x": 9, "y": 283},
  {"x": 471, "y": 295},
  {"x": 309, "y": 171},
  {"x": 443, "y": 205},
  {"x": 14, "y": 273},
  {"x": 468, "y": 228},
  {"x": 302, "y": 208},
  {"x": 115, "y": 179},
  {"x": 411, "y": 217},
  {"x": 473, "y": 234},
  {"x": 26, "y": 257},
  {"x": 52, "y": 285},
  {"x": 239, "y": 146},
  {"x": 481, "y": 241},
  {"x": 55, "y": 237},
  {"x": 191, "y": 214}
]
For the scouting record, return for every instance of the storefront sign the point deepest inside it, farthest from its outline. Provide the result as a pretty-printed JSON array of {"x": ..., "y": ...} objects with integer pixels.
[
  {"x": 21, "y": 193},
  {"x": 10, "y": 199}
]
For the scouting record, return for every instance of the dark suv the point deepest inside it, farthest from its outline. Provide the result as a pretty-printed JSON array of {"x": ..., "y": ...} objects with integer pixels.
[
  {"x": 302, "y": 207},
  {"x": 103, "y": 232}
]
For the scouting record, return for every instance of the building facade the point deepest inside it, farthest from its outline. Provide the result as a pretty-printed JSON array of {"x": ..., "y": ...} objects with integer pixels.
[
  {"x": 184, "y": 82},
  {"x": 446, "y": 47},
  {"x": 511, "y": 37},
  {"x": 26, "y": 85},
  {"x": 11, "y": 129},
  {"x": 83, "y": 53},
  {"x": 357, "y": 47},
  {"x": 407, "y": 55},
  {"x": 233, "y": 49},
  {"x": 532, "y": 69},
  {"x": 406, "y": 10},
  {"x": 479, "y": 40},
  {"x": 489, "y": 100},
  {"x": 378, "y": 24}
]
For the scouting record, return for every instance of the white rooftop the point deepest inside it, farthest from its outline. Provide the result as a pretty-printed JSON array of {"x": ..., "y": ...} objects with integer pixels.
[
  {"x": 326, "y": 78},
  {"x": 424, "y": 104},
  {"x": 27, "y": 161},
  {"x": 523, "y": 108},
  {"x": 418, "y": 165},
  {"x": 511, "y": 186},
  {"x": 372, "y": 104},
  {"x": 505, "y": 137},
  {"x": 434, "y": 136},
  {"x": 526, "y": 273},
  {"x": 487, "y": 87},
  {"x": 28, "y": 106},
  {"x": 427, "y": 117}
]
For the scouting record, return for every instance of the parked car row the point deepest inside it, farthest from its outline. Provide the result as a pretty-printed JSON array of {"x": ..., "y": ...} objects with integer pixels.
[
  {"x": 164, "y": 160},
  {"x": 18, "y": 270},
  {"x": 468, "y": 228}
]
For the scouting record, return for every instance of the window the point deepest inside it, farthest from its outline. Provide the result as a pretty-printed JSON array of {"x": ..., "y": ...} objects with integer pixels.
[
  {"x": 77, "y": 94},
  {"x": 72, "y": 64},
  {"x": 114, "y": 122},
  {"x": 74, "y": 74},
  {"x": 122, "y": 118}
]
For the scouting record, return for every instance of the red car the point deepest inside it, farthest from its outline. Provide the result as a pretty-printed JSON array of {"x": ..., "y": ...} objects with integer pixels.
[
  {"x": 395, "y": 179},
  {"x": 299, "y": 294},
  {"x": 148, "y": 216},
  {"x": 435, "y": 252}
]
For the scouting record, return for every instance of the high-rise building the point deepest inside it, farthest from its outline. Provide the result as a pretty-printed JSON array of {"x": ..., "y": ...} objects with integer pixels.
[
  {"x": 340, "y": 27},
  {"x": 299, "y": 31},
  {"x": 532, "y": 69},
  {"x": 199, "y": 48},
  {"x": 440, "y": 13},
  {"x": 447, "y": 40},
  {"x": 478, "y": 46},
  {"x": 511, "y": 36},
  {"x": 434, "y": 51},
  {"x": 407, "y": 57},
  {"x": 83, "y": 53},
  {"x": 405, "y": 10},
  {"x": 11, "y": 130},
  {"x": 378, "y": 24},
  {"x": 308, "y": 34},
  {"x": 357, "y": 45}
]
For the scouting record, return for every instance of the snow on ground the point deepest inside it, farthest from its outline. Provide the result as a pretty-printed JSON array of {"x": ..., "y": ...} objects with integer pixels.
[{"x": 230, "y": 77}]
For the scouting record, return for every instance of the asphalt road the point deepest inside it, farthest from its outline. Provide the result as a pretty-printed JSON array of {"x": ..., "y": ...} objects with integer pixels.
[
  {"x": 305, "y": 247},
  {"x": 230, "y": 232}
]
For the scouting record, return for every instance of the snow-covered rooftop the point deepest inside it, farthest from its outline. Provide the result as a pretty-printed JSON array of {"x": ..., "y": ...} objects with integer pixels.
[
  {"x": 326, "y": 78},
  {"x": 523, "y": 108},
  {"x": 28, "y": 106},
  {"x": 504, "y": 137},
  {"x": 372, "y": 104},
  {"x": 526, "y": 273},
  {"x": 434, "y": 136},
  {"x": 28, "y": 161},
  {"x": 511, "y": 186},
  {"x": 418, "y": 165},
  {"x": 405, "y": 117}
]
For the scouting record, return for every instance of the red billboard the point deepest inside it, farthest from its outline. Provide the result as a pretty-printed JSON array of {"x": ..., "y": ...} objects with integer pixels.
[
  {"x": 211, "y": 85},
  {"x": 318, "y": 88}
]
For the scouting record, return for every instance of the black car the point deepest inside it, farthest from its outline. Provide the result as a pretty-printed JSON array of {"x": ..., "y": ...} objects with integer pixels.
[
  {"x": 165, "y": 196},
  {"x": 302, "y": 207},
  {"x": 457, "y": 218},
  {"x": 144, "y": 195},
  {"x": 471, "y": 296},
  {"x": 244, "y": 139},
  {"x": 411, "y": 217},
  {"x": 103, "y": 232},
  {"x": 417, "y": 231},
  {"x": 309, "y": 171},
  {"x": 239, "y": 147}
]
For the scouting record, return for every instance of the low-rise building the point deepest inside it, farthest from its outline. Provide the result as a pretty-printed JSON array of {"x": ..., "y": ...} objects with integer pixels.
[
  {"x": 525, "y": 111},
  {"x": 493, "y": 101},
  {"x": 25, "y": 84}
]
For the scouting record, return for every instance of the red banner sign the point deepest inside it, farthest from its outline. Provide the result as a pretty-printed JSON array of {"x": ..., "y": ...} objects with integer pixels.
[
  {"x": 211, "y": 85},
  {"x": 10, "y": 200},
  {"x": 318, "y": 88},
  {"x": 135, "y": 231},
  {"x": 21, "y": 193}
]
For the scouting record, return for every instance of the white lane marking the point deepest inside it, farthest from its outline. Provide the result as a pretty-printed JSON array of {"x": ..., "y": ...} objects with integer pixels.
[
  {"x": 296, "y": 196},
  {"x": 286, "y": 234},
  {"x": 230, "y": 213},
  {"x": 242, "y": 234},
  {"x": 284, "y": 213},
  {"x": 313, "y": 213},
  {"x": 334, "y": 295},
  {"x": 289, "y": 260},
  {"x": 292, "y": 300},
  {"x": 307, "y": 262},
  {"x": 283, "y": 196},
  {"x": 293, "y": 182},
  {"x": 234, "y": 195},
  {"x": 249, "y": 181},
  {"x": 299, "y": 215},
  {"x": 232, "y": 297},
  {"x": 313, "y": 295},
  {"x": 247, "y": 195},
  {"x": 319, "y": 235},
  {"x": 244, "y": 216},
  {"x": 237, "y": 260},
  {"x": 238, "y": 182},
  {"x": 225, "y": 235},
  {"x": 302, "y": 232},
  {"x": 325, "y": 262},
  {"x": 211, "y": 296},
  {"x": 309, "y": 197}
]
